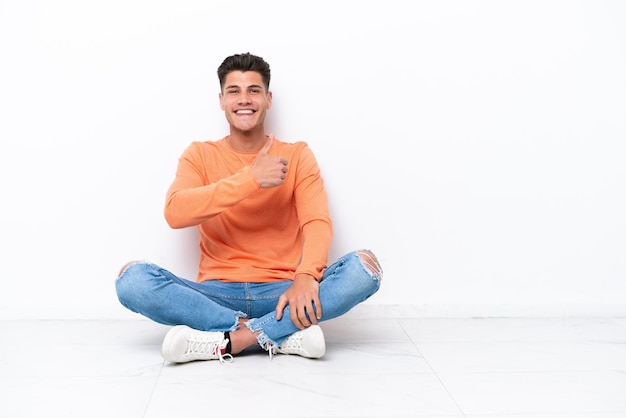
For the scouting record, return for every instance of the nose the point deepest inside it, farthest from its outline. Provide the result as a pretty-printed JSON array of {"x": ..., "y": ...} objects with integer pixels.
[{"x": 244, "y": 97}]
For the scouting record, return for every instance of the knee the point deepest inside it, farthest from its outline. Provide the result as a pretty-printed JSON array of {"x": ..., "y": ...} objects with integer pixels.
[
  {"x": 125, "y": 266},
  {"x": 130, "y": 281},
  {"x": 371, "y": 263}
]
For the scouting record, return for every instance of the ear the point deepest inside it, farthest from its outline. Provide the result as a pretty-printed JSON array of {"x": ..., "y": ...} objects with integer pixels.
[
  {"x": 222, "y": 101},
  {"x": 269, "y": 100}
]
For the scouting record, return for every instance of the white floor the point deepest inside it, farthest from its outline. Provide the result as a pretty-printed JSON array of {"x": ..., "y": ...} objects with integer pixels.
[{"x": 517, "y": 368}]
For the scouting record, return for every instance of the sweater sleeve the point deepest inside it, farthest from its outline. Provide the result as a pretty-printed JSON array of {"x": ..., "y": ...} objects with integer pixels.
[
  {"x": 313, "y": 214},
  {"x": 193, "y": 198}
]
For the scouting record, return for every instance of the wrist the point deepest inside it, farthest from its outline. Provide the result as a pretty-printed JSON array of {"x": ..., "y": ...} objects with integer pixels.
[{"x": 305, "y": 276}]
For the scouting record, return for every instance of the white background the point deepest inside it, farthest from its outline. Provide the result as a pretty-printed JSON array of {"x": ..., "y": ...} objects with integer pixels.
[{"x": 477, "y": 146}]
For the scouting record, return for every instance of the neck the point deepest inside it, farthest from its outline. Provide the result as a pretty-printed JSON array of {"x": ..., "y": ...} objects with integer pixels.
[{"x": 246, "y": 141}]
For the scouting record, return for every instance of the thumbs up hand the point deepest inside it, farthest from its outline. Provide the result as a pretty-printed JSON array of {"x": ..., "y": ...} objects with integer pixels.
[{"x": 269, "y": 170}]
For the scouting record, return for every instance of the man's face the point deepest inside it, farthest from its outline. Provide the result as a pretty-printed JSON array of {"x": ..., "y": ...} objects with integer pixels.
[{"x": 244, "y": 100}]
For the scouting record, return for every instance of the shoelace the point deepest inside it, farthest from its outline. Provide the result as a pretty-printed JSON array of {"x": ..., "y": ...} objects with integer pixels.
[
  {"x": 224, "y": 358},
  {"x": 207, "y": 346},
  {"x": 270, "y": 348},
  {"x": 293, "y": 343}
]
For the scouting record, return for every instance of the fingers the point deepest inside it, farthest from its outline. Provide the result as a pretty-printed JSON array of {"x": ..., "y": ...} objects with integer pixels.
[
  {"x": 280, "y": 307},
  {"x": 303, "y": 316},
  {"x": 269, "y": 170},
  {"x": 301, "y": 323},
  {"x": 299, "y": 318},
  {"x": 302, "y": 298},
  {"x": 318, "y": 309}
]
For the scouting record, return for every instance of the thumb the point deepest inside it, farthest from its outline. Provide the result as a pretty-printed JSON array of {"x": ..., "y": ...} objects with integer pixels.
[{"x": 266, "y": 148}]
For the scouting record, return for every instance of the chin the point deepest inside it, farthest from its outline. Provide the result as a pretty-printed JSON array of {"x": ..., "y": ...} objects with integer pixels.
[{"x": 247, "y": 128}]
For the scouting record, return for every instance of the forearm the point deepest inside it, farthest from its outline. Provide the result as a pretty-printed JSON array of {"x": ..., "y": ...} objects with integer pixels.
[
  {"x": 318, "y": 237},
  {"x": 188, "y": 204}
]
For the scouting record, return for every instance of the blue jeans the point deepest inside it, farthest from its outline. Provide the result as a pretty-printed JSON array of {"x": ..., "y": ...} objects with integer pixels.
[{"x": 213, "y": 305}]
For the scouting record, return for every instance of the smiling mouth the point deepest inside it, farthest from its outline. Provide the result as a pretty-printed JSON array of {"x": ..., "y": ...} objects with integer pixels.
[{"x": 244, "y": 112}]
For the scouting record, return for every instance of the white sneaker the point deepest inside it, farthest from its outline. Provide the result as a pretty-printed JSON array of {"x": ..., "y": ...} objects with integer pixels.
[
  {"x": 182, "y": 344},
  {"x": 308, "y": 342}
]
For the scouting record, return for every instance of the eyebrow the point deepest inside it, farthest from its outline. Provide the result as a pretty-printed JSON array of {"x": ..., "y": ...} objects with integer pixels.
[{"x": 251, "y": 86}]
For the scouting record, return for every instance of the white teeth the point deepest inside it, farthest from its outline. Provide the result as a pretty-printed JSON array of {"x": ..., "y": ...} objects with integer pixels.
[{"x": 244, "y": 112}]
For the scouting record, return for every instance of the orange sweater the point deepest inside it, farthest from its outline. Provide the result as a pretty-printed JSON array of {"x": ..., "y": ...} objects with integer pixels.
[{"x": 247, "y": 233}]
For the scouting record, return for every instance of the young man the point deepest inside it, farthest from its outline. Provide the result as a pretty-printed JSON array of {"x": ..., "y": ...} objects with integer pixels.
[{"x": 261, "y": 211}]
